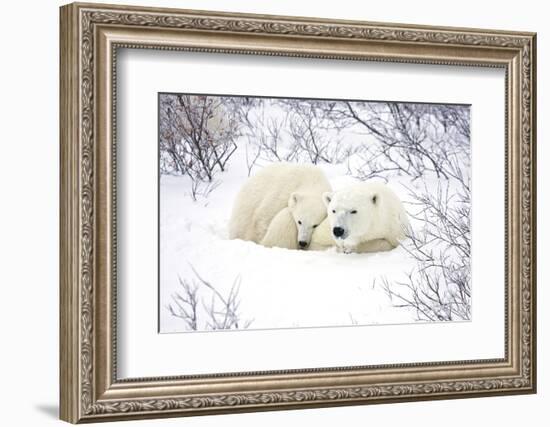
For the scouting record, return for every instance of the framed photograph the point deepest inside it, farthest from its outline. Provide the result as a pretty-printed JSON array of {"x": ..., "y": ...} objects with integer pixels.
[{"x": 267, "y": 212}]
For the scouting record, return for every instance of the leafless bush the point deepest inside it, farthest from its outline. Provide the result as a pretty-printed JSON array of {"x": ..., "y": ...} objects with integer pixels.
[
  {"x": 242, "y": 108},
  {"x": 439, "y": 288},
  {"x": 454, "y": 117},
  {"x": 294, "y": 130},
  {"x": 252, "y": 154},
  {"x": 223, "y": 312},
  {"x": 265, "y": 133},
  {"x": 397, "y": 138},
  {"x": 314, "y": 137},
  {"x": 185, "y": 304},
  {"x": 267, "y": 139},
  {"x": 202, "y": 188},
  {"x": 197, "y": 135},
  {"x": 202, "y": 307},
  {"x": 403, "y": 138}
]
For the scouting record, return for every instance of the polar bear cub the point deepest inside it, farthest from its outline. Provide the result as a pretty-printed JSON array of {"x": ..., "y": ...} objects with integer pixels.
[
  {"x": 280, "y": 206},
  {"x": 364, "y": 217}
]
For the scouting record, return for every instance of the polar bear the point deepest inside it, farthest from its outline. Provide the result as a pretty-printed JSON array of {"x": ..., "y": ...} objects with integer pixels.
[
  {"x": 280, "y": 206},
  {"x": 364, "y": 217}
]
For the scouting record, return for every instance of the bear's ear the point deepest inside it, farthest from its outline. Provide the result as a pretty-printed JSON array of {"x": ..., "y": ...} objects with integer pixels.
[
  {"x": 293, "y": 199},
  {"x": 327, "y": 197},
  {"x": 374, "y": 199}
]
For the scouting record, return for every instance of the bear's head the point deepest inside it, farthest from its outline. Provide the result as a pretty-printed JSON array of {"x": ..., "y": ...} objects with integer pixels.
[
  {"x": 308, "y": 212},
  {"x": 351, "y": 213}
]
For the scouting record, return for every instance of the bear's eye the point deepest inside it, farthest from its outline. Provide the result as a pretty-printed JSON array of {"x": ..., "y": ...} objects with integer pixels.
[
  {"x": 334, "y": 211},
  {"x": 299, "y": 222},
  {"x": 353, "y": 211},
  {"x": 315, "y": 226}
]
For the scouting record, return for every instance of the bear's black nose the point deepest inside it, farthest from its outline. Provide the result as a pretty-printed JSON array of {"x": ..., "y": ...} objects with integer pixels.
[
  {"x": 302, "y": 244},
  {"x": 338, "y": 231}
]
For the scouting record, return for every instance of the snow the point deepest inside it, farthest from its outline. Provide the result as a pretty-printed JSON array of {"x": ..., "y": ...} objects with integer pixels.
[{"x": 277, "y": 288}]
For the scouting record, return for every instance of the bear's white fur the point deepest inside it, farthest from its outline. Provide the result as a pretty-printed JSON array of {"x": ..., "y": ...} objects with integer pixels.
[
  {"x": 369, "y": 216},
  {"x": 280, "y": 206}
]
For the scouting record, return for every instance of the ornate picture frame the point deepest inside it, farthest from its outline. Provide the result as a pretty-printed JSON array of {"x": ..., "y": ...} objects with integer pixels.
[{"x": 91, "y": 34}]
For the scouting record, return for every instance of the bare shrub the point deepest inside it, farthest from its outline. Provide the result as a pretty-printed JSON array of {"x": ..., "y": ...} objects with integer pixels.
[
  {"x": 202, "y": 307},
  {"x": 265, "y": 133},
  {"x": 197, "y": 135},
  {"x": 252, "y": 154},
  {"x": 439, "y": 288},
  {"x": 184, "y": 305},
  {"x": 313, "y": 136},
  {"x": 295, "y": 131},
  {"x": 202, "y": 189},
  {"x": 403, "y": 138}
]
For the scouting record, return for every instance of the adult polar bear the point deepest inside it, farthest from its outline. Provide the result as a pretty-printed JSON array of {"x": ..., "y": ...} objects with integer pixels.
[
  {"x": 280, "y": 206},
  {"x": 364, "y": 217}
]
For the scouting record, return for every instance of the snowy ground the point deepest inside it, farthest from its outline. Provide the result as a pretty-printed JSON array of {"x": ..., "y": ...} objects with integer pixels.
[{"x": 277, "y": 288}]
